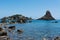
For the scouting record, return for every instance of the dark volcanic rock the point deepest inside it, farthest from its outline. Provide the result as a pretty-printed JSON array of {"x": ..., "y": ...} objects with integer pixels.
[
  {"x": 47, "y": 16},
  {"x": 3, "y": 32},
  {"x": 20, "y": 31},
  {"x": 57, "y": 38},
  {"x": 12, "y": 27},
  {"x": 18, "y": 18},
  {"x": 1, "y": 29}
]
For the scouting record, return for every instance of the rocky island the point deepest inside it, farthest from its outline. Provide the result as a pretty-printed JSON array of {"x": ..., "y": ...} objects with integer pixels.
[
  {"x": 15, "y": 19},
  {"x": 47, "y": 16}
]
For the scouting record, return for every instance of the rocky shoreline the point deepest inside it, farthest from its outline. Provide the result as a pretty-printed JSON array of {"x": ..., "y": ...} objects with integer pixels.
[
  {"x": 20, "y": 19},
  {"x": 4, "y": 36}
]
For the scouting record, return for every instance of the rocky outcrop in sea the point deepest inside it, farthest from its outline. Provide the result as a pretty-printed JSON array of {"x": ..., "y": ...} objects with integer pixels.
[
  {"x": 15, "y": 19},
  {"x": 47, "y": 16},
  {"x": 3, "y": 34}
]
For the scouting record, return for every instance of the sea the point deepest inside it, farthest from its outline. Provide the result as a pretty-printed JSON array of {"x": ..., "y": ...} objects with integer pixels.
[{"x": 36, "y": 30}]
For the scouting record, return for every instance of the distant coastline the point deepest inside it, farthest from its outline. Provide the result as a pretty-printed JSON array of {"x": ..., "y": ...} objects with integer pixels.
[{"x": 18, "y": 18}]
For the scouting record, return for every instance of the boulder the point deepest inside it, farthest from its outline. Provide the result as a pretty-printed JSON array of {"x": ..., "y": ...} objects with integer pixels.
[
  {"x": 47, "y": 16},
  {"x": 57, "y": 38},
  {"x": 1, "y": 29},
  {"x": 3, "y": 32},
  {"x": 20, "y": 31},
  {"x": 11, "y": 27},
  {"x": 4, "y": 38}
]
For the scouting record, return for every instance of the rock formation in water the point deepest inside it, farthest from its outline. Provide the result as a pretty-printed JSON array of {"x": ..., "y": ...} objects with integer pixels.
[
  {"x": 19, "y": 31},
  {"x": 2, "y": 32},
  {"x": 3, "y": 35},
  {"x": 57, "y": 38},
  {"x": 47, "y": 16},
  {"x": 15, "y": 19}
]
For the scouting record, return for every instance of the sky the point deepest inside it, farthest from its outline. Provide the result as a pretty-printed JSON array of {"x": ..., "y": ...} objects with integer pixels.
[{"x": 29, "y": 8}]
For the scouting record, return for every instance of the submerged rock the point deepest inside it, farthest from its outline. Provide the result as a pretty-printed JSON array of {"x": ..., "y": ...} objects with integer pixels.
[
  {"x": 47, "y": 16},
  {"x": 23, "y": 20},
  {"x": 55, "y": 22},
  {"x": 20, "y": 31}
]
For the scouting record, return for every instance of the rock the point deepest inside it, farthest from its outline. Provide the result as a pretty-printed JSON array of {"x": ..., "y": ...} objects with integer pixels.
[
  {"x": 15, "y": 19},
  {"x": 47, "y": 16},
  {"x": 47, "y": 38},
  {"x": 21, "y": 21},
  {"x": 55, "y": 22},
  {"x": 3, "y": 33},
  {"x": 4, "y": 38},
  {"x": 1, "y": 29},
  {"x": 57, "y": 38},
  {"x": 20, "y": 31},
  {"x": 12, "y": 27},
  {"x": 12, "y": 22},
  {"x": 1, "y": 25}
]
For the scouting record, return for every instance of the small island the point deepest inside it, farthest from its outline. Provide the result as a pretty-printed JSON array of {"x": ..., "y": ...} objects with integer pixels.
[
  {"x": 18, "y": 18},
  {"x": 47, "y": 16}
]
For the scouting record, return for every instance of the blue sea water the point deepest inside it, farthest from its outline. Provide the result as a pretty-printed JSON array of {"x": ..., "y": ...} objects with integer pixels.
[{"x": 36, "y": 30}]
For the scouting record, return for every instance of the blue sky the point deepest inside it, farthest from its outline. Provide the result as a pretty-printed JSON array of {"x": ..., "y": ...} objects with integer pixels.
[{"x": 30, "y": 8}]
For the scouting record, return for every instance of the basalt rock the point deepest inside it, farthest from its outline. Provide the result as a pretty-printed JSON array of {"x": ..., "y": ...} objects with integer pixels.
[
  {"x": 18, "y": 18},
  {"x": 47, "y": 16},
  {"x": 20, "y": 31},
  {"x": 12, "y": 27}
]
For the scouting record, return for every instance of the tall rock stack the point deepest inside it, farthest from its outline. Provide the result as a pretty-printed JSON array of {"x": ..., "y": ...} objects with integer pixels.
[{"x": 47, "y": 16}]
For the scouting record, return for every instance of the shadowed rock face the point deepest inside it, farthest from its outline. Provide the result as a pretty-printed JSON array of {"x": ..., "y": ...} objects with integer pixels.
[{"x": 47, "y": 16}]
